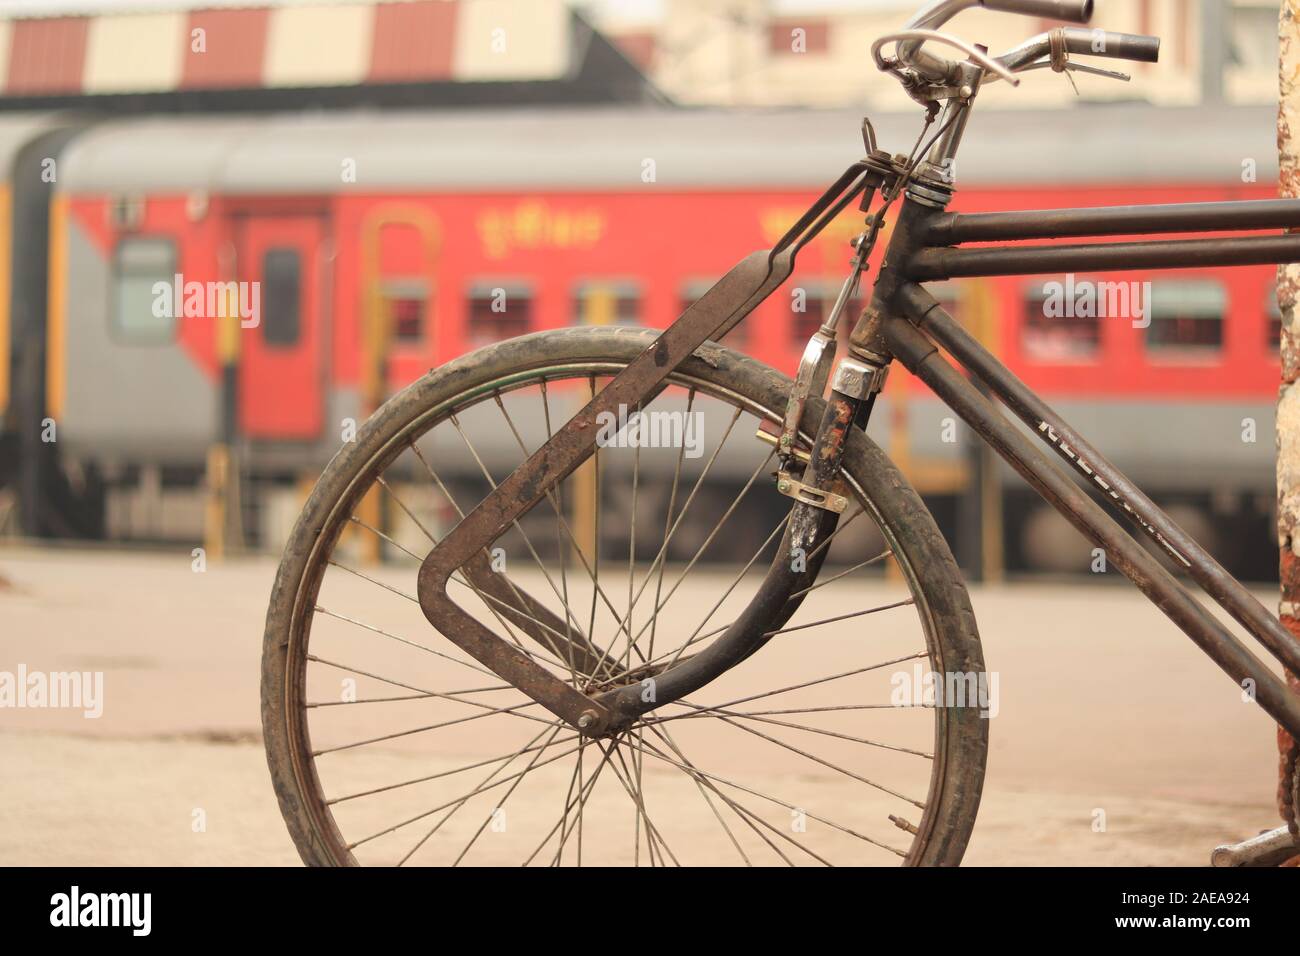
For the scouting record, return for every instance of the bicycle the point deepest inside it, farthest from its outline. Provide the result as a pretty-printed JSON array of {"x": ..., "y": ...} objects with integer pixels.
[{"x": 585, "y": 686}]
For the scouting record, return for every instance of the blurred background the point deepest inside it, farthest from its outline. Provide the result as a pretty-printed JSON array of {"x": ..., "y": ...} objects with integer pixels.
[{"x": 382, "y": 170}]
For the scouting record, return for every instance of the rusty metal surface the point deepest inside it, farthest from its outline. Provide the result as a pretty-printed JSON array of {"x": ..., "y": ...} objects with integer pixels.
[{"x": 563, "y": 638}]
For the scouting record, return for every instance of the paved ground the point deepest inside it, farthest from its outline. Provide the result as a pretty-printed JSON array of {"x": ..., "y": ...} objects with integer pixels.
[{"x": 1103, "y": 706}]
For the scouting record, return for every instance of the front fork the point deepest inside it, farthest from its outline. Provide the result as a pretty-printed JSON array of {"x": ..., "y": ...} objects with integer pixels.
[{"x": 857, "y": 380}]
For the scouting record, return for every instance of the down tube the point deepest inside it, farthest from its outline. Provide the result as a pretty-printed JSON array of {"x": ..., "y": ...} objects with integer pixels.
[
  {"x": 922, "y": 309},
  {"x": 922, "y": 358}
]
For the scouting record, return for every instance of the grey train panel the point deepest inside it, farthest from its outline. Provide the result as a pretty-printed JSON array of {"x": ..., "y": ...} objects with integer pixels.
[
  {"x": 1170, "y": 446},
  {"x": 602, "y": 148},
  {"x": 1184, "y": 445},
  {"x": 126, "y": 403}
]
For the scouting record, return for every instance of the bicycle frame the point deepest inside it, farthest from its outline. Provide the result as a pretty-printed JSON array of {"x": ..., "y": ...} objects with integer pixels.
[
  {"x": 907, "y": 324},
  {"x": 904, "y": 323}
]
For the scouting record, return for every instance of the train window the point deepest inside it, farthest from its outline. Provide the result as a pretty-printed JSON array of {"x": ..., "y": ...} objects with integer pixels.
[
  {"x": 281, "y": 305},
  {"x": 607, "y": 303},
  {"x": 1186, "y": 316},
  {"x": 1060, "y": 326},
  {"x": 693, "y": 291},
  {"x": 499, "y": 311},
  {"x": 408, "y": 318},
  {"x": 140, "y": 263},
  {"x": 407, "y": 302},
  {"x": 1274, "y": 313}
]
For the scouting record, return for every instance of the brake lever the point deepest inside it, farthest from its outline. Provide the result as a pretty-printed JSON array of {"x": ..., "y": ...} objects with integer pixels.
[
  {"x": 1095, "y": 71},
  {"x": 1073, "y": 67}
]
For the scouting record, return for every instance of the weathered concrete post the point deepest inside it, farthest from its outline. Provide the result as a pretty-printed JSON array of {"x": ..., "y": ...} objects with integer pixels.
[{"x": 1288, "y": 405}]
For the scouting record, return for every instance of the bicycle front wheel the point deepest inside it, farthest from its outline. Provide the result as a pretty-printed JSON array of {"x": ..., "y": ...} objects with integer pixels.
[{"x": 833, "y": 744}]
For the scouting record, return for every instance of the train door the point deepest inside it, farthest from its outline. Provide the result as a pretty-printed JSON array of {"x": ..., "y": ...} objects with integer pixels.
[{"x": 281, "y": 361}]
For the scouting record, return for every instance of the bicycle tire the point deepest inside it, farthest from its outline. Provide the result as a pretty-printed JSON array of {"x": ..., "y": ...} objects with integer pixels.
[{"x": 951, "y": 634}]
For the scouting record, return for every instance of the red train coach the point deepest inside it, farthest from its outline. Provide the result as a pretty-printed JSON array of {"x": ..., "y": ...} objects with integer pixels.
[{"x": 459, "y": 228}]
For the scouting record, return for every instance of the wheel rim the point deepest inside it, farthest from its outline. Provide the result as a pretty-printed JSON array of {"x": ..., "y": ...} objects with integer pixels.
[{"x": 782, "y": 825}]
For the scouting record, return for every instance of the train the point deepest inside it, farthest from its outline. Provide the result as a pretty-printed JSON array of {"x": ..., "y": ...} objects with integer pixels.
[{"x": 413, "y": 221}]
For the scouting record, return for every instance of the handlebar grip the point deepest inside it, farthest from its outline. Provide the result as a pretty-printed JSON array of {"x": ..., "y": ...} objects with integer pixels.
[
  {"x": 1072, "y": 11},
  {"x": 1119, "y": 46}
]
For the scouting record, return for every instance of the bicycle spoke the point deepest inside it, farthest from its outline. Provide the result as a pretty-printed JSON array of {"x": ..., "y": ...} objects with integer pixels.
[
  {"x": 521, "y": 610},
  {"x": 807, "y": 710},
  {"x": 564, "y": 525},
  {"x": 788, "y": 806},
  {"x": 652, "y": 832},
  {"x": 584, "y": 791},
  {"x": 541, "y": 565},
  {"x": 527, "y": 748},
  {"x": 481, "y": 789},
  {"x": 700, "y": 786},
  {"x": 385, "y": 700},
  {"x": 595, "y": 540},
  {"x": 697, "y": 637},
  {"x": 727, "y": 593},
  {"x": 561, "y": 550},
  {"x": 574, "y": 778},
  {"x": 825, "y": 763},
  {"x": 514, "y": 786},
  {"x": 842, "y": 617},
  {"x": 815, "y": 730},
  {"x": 801, "y": 686},
  {"x": 415, "y": 600},
  {"x": 752, "y": 819},
  {"x": 451, "y": 499},
  {"x": 428, "y": 693},
  {"x": 668, "y": 524},
  {"x": 403, "y": 640},
  {"x": 502, "y": 763},
  {"x": 631, "y": 553},
  {"x": 489, "y": 712},
  {"x": 709, "y": 540},
  {"x": 699, "y": 483}
]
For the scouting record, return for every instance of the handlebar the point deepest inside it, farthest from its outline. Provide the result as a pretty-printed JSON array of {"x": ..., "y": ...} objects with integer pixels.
[
  {"x": 1072, "y": 11},
  {"x": 1056, "y": 44},
  {"x": 941, "y": 11},
  {"x": 1116, "y": 46},
  {"x": 1120, "y": 46}
]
